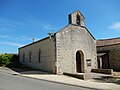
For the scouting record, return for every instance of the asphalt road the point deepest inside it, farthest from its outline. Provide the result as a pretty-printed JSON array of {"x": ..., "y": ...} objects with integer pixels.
[{"x": 15, "y": 82}]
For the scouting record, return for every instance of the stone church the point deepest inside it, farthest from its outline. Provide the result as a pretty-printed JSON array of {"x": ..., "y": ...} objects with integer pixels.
[{"x": 70, "y": 50}]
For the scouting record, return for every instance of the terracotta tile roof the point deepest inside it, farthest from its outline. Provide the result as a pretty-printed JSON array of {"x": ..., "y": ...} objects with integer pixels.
[{"x": 108, "y": 42}]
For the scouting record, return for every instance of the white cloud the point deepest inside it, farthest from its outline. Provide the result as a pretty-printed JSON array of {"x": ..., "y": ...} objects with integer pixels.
[
  {"x": 28, "y": 22},
  {"x": 4, "y": 36},
  {"x": 11, "y": 44},
  {"x": 48, "y": 27},
  {"x": 21, "y": 38},
  {"x": 8, "y": 24},
  {"x": 115, "y": 25}
]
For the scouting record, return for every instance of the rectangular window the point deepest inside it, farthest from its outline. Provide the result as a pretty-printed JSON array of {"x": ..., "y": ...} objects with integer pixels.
[{"x": 88, "y": 62}]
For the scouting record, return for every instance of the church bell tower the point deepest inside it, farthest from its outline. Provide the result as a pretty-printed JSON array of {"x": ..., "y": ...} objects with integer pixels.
[{"x": 76, "y": 18}]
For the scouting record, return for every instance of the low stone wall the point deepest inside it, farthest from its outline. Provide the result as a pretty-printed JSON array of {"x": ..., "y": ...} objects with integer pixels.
[
  {"x": 104, "y": 71},
  {"x": 76, "y": 76}
]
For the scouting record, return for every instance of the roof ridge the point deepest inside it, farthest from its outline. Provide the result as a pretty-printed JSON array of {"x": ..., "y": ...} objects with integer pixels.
[{"x": 108, "y": 39}]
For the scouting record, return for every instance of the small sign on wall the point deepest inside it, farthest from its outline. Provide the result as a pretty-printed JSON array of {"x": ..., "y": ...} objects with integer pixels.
[{"x": 88, "y": 62}]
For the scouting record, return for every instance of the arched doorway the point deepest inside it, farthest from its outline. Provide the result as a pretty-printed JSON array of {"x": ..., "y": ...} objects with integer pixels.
[{"x": 79, "y": 62}]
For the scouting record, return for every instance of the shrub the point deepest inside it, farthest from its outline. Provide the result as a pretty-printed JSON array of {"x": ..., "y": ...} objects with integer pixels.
[{"x": 6, "y": 59}]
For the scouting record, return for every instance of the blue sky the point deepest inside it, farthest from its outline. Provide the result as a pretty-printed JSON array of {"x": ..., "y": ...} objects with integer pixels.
[{"x": 22, "y": 20}]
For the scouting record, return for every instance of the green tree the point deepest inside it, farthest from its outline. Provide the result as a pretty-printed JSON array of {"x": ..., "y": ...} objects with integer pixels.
[{"x": 6, "y": 59}]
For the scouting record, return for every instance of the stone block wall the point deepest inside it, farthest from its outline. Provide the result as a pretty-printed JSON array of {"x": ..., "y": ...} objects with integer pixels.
[
  {"x": 114, "y": 55},
  {"x": 47, "y": 56},
  {"x": 70, "y": 40}
]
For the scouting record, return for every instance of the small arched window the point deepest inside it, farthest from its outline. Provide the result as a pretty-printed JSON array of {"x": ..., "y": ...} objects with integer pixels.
[
  {"x": 78, "y": 19},
  {"x": 23, "y": 57},
  {"x": 30, "y": 56},
  {"x": 39, "y": 55}
]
